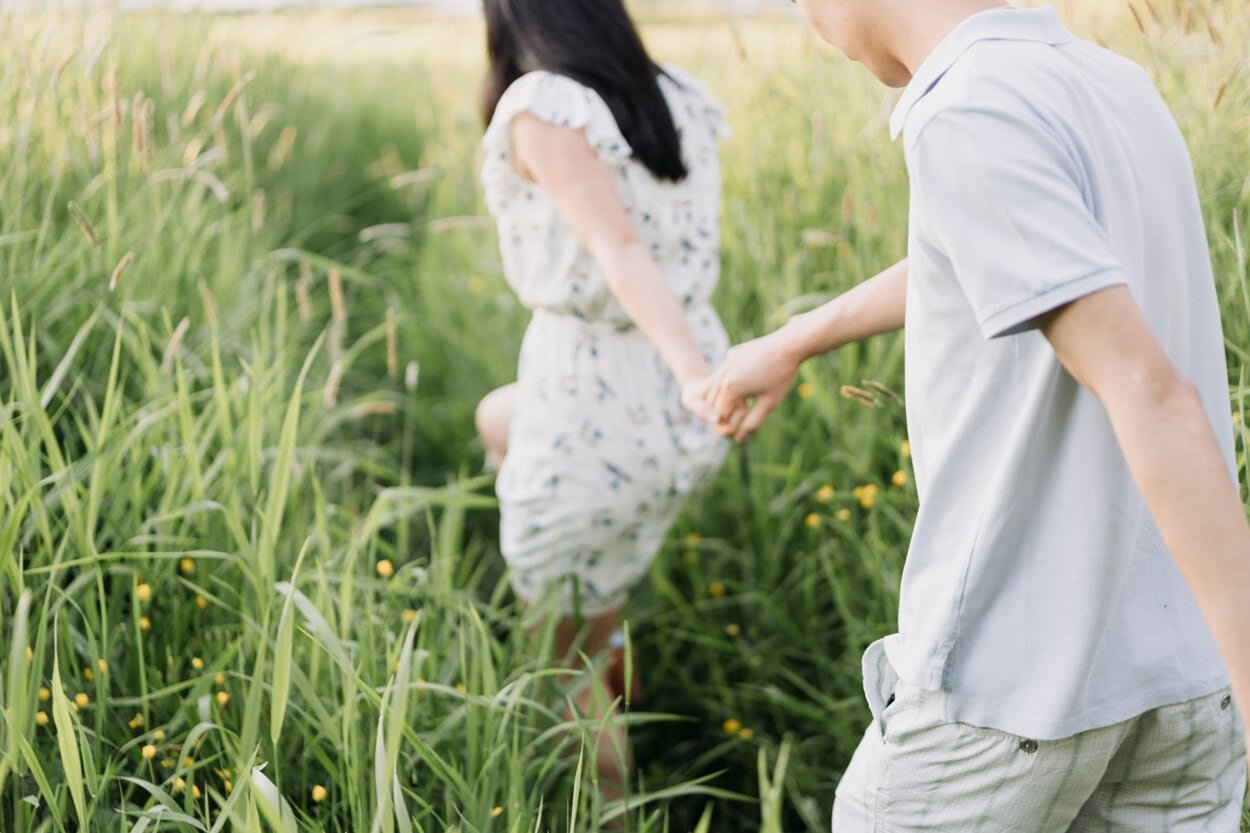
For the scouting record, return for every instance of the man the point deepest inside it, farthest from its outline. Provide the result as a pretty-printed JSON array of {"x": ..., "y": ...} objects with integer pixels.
[{"x": 1068, "y": 413}]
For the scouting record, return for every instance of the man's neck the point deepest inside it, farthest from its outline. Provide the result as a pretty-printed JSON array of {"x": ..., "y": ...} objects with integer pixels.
[{"x": 927, "y": 23}]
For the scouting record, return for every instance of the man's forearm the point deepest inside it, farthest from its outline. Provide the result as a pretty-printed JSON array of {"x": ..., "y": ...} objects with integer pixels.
[
  {"x": 1187, "y": 487},
  {"x": 875, "y": 306}
]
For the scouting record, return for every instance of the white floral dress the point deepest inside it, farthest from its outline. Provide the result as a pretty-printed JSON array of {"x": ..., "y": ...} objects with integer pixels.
[{"x": 601, "y": 455}]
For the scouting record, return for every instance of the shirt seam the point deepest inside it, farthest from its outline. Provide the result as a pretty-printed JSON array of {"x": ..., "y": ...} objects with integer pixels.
[{"x": 988, "y": 321}]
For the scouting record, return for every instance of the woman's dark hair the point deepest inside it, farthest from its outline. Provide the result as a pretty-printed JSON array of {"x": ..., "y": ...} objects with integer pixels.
[{"x": 595, "y": 43}]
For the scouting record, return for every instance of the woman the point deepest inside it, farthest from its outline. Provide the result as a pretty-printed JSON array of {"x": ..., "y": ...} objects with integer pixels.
[{"x": 601, "y": 171}]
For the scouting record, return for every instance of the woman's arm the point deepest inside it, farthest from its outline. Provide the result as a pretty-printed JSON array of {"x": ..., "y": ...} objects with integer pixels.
[{"x": 584, "y": 190}]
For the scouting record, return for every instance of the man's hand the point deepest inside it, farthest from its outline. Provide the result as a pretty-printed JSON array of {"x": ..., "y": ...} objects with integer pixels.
[{"x": 749, "y": 386}]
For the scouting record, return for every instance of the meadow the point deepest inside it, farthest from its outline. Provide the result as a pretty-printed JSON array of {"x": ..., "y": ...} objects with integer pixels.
[{"x": 249, "y": 298}]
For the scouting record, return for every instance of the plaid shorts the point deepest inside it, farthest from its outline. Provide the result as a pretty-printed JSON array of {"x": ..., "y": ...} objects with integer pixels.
[{"x": 1174, "y": 769}]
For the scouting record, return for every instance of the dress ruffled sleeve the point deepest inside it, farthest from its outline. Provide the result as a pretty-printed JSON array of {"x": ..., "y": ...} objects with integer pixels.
[{"x": 558, "y": 100}]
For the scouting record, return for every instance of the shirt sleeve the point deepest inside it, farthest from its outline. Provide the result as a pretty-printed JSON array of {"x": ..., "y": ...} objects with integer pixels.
[
  {"x": 554, "y": 99},
  {"x": 1003, "y": 199}
]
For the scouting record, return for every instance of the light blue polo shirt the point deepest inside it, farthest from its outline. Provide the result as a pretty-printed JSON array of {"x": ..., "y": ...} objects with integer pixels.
[{"x": 1038, "y": 594}]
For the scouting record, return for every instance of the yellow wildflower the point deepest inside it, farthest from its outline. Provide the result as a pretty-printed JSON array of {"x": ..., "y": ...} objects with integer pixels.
[
  {"x": 145, "y": 623},
  {"x": 410, "y": 616},
  {"x": 223, "y": 698},
  {"x": 812, "y": 521},
  {"x": 197, "y": 663},
  {"x": 179, "y": 785},
  {"x": 89, "y": 674},
  {"x": 733, "y": 629},
  {"x": 30, "y": 654},
  {"x": 716, "y": 589},
  {"x": 136, "y": 721},
  {"x": 496, "y": 812},
  {"x": 905, "y": 449},
  {"x": 201, "y": 602},
  {"x": 385, "y": 568},
  {"x": 843, "y": 515},
  {"x": 824, "y": 494},
  {"x": 746, "y": 733},
  {"x": 44, "y": 695},
  {"x": 81, "y": 700},
  {"x": 149, "y": 752},
  {"x": 731, "y": 726},
  {"x": 220, "y": 678},
  {"x": 899, "y": 478},
  {"x": 41, "y": 718},
  {"x": 158, "y": 735},
  {"x": 867, "y": 495},
  {"x": 319, "y": 793},
  {"x": 103, "y": 665},
  {"x": 805, "y": 391},
  {"x": 143, "y": 592},
  {"x": 187, "y": 566}
]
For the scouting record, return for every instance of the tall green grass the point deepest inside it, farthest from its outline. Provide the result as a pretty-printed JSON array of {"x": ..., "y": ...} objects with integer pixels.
[{"x": 248, "y": 301}]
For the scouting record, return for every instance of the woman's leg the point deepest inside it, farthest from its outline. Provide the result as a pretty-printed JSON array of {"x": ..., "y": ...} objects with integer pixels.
[
  {"x": 593, "y": 638},
  {"x": 494, "y": 418}
]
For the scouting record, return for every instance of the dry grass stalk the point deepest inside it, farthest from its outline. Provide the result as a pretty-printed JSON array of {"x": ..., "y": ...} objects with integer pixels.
[
  {"x": 210, "y": 306},
  {"x": 1219, "y": 94},
  {"x": 282, "y": 148},
  {"x": 84, "y": 224},
  {"x": 331, "y": 395},
  {"x": 882, "y": 390},
  {"x": 232, "y": 96},
  {"x": 192, "y": 151},
  {"x": 88, "y": 133},
  {"x": 1141, "y": 27},
  {"x": 193, "y": 108},
  {"x": 61, "y": 67},
  {"x": 302, "y": 301},
  {"x": 740, "y": 46},
  {"x": 1212, "y": 31},
  {"x": 175, "y": 341},
  {"x": 859, "y": 395},
  {"x": 118, "y": 270},
  {"x": 338, "y": 307},
  {"x": 115, "y": 104},
  {"x": 368, "y": 409}
]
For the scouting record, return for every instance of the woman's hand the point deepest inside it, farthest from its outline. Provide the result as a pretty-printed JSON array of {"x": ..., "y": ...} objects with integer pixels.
[{"x": 748, "y": 387}]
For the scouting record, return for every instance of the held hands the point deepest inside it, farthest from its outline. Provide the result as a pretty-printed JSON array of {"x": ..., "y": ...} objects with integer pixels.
[{"x": 746, "y": 388}]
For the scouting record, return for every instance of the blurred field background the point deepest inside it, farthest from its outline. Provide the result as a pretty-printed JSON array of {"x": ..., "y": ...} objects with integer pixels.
[{"x": 249, "y": 299}]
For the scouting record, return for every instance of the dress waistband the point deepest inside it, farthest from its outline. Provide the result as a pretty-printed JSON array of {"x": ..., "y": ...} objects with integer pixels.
[{"x": 626, "y": 326}]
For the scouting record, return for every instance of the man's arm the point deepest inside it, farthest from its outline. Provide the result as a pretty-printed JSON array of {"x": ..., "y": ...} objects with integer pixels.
[
  {"x": 756, "y": 376},
  {"x": 1167, "y": 439}
]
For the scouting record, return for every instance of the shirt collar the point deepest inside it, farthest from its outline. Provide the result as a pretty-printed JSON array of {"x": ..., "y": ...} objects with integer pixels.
[{"x": 1041, "y": 25}]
